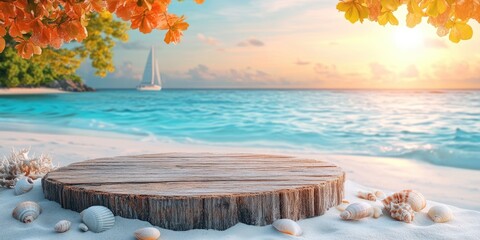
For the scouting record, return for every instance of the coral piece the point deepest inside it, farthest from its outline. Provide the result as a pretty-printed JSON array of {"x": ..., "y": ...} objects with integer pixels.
[
  {"x": 356, "y": 211},
  {"x": 367, "y": 195},
  {"x": 402, "y": 212},
  {"x": 19, "y": 165},
  {"x": 440, "y": 214},
  {"x": 287, "y": 226},
  {"x": 414, "y": 198},
  {"x": 26, "y": 212},
  {"x": 62, "y": 226}
]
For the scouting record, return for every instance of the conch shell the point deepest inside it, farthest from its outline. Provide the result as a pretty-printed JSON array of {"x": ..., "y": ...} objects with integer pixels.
[
  {"x": 402, "y": 212},
  {"x": 440, "y": 214},
  {"x": 62, "y": 226},
  {"x": 287, "y": 226},
  {"x": 148, "y": 233},
  {"x": 26, "y": 211},
  {"x": 23, "y": 185},
  {"x": 98, "y": 218},
  {"x": 356, "y": 211},
  {"x": 342, "y": 206},
  {"x": 415, "y": 199},
  {"x": 367, "y": 195}
]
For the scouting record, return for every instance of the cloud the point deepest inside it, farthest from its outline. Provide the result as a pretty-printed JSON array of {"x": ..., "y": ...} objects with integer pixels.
[
  {"x": 251, "y": 42},
  {"x": 380, "y": 72},
  {"x": 301, "y": 63},
  {"x": 208, "y": 40},
  {"x": 135, "y": 45},
  {"x": 125, "y": 76},
  {"x": 326, "y": 71},
  {"x": 410, "y": 72},
  {"x": 202, "y": 76},
  {"x": 435, "y": 43}
]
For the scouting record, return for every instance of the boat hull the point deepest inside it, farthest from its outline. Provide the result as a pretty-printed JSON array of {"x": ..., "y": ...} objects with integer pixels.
[{"x": 149, "y": 88}]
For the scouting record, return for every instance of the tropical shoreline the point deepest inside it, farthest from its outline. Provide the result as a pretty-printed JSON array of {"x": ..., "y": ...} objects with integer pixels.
[{"x": 30, "y": 91}]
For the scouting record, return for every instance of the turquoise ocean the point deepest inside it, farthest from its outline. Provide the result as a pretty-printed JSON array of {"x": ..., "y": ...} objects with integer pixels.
[{"x": 440, "y": 127}]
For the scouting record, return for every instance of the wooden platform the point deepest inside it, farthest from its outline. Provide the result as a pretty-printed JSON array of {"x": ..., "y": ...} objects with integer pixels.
[{"x": 182, "y": 191}]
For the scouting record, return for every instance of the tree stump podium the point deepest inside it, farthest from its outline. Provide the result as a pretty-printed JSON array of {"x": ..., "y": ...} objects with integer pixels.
[{"x": 182, "y": 191}]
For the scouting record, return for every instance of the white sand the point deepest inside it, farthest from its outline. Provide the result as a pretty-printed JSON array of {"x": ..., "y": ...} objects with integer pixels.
[
  {"x": 29, "y": 91},
  {"x": 457, "y": 187}
]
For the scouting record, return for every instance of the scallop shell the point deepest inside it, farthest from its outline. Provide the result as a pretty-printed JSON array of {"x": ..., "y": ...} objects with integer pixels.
[
  {"x": 356, "y": 211},
  {"x": 83, "y": 227},
  {"x": 62, "y": 226},
  {"x": 287, "y": 226},
  {"x": 342, "y": 206},
  {"x": 367, "y": 195},
  {"x": 402, "y": 212},
  {"x": 148, "y": 233},
  {"x": 414, "y": 198},
  {"x": 379, "y": 194},
  {"x": 377, "y": 212},
  {"x": 440, "y": 214},
  {"x": 26, "y": 211},
  {"x": 23, "y": 185},
  {"x": 98, "y": 218}
]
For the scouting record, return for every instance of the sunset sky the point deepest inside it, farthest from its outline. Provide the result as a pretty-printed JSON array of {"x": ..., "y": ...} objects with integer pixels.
[{"x": 294, "y": 44}]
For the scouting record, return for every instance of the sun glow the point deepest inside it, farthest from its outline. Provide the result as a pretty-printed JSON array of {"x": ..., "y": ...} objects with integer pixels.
[{"x": 408, "y": 38}]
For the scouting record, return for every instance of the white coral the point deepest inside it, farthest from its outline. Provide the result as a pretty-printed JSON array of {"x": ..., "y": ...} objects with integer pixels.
[{"x": 19, "y": 164}]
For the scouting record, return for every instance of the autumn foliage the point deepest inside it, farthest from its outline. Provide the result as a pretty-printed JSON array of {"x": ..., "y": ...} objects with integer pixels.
[
  {"x": 38, "y": 24},
  {"x": 449, "y": 17}
]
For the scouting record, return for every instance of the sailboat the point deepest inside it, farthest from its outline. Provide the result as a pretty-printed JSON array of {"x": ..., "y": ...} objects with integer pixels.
[{"x": 151, "y": 80}]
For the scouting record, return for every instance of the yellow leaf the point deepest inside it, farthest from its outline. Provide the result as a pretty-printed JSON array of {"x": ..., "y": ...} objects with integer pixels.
[
  {"x": 413, "y": 19},
  {"x": 460, "y": 31},
  {"x": 354, "y": 11},
  {"x": 390, "y": 5},
  {"x": 436, "y": 7},
  {"x": 387, "y": 17}
]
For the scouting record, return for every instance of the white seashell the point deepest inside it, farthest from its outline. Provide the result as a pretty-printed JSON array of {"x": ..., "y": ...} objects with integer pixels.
[
  {"x": 62, "y": 226},
  {"x": 23, "y": 185},
  {"x": 379, "y": 194},
  {"x": 26, "y": 211},
  {"x": 440, "y": 214},
  {"x": 367, "y": 195},
  {"x": 377, "y": 212},
  {"x": 342, "y": 206},
  {"x": 356, "y": 211},
  {"x": 402, "y": 212},
  {"x": 287, "y": 226},
  {"x": 98, "y": 218},
  {"x": 414, "y": 198},
  {"x": 148, "y": 233},
  {"x": 83, "y": 227}
]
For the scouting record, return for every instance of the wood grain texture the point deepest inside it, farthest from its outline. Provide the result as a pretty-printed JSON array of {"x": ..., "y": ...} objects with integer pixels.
[{"x": 182, "y": 191}]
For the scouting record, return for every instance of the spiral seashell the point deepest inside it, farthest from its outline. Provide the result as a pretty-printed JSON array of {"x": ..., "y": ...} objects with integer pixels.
[
  {"x": 367, "y": 195},
  {"x": 26, "y": 211},
  {"x": 82, "y": 227},
  {"x": 23, "y": 185},
  {"x": 98, "y": 218},
  {"x": 148, "y": 233},
  {"x": 440, "y": 214},
  {"x": 377, "y": 212},
  {"x": 402, "y": 212},
  {"x": 415, "y": 199},
  {"x": 62, "y": 226},
  {"x": 379, "y": 194},
  {"x": 356, "y": 211},
  {"x": 287, "y": 226},
  {"x": 342, "y": 206}
]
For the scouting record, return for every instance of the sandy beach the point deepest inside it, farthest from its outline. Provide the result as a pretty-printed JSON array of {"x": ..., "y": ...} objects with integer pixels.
[
  {"x": 29, "y": 91},
  {"x": 363, "y": 173}
]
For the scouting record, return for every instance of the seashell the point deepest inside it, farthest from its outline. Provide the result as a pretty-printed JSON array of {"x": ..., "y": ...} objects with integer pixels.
[
  {"x": 377, "y": 212},
  {"x": 62, "y": 226},
  {"x": 402, "y": 212},
  {"x": 379, "y": 194},
  {"x": 98, "y": 218},
  {"x": 356, "y": 211},
  {"x": 342, "y": 206},
  {"x": 83, "y": 227},
  {"x": 367, "y": 195},
  {"x": 148, "y": 233},
  {"x": 414, "y": 198},
  {"x": 26, "y": 211},
  {"x": 440, "y": 214},
  {"x": 287, "y": 226},
  {"x": 23, "y": 185}
]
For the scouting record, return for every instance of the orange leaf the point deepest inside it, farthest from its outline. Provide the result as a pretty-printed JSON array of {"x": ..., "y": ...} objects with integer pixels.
[
  {"x": 26, "y": 49},
  {"x": 464, "y": 9},
  {"x": 2, "y": 31},
  {"x": 2, "y": 44},
  {"x": 199, "y": 1}
]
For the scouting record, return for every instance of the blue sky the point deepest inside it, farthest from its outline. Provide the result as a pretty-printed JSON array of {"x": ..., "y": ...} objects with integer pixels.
[{"x": 293, "y": 44}]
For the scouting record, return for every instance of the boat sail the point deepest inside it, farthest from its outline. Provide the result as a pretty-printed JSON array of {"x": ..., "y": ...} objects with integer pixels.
[{"x": 151, "y": 80}]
